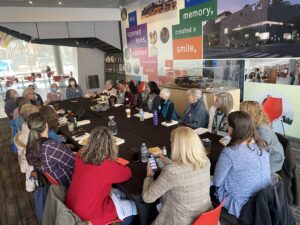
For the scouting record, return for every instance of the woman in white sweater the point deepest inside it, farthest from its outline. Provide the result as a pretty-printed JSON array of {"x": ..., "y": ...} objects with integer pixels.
[{"x": 218, "y": 114}]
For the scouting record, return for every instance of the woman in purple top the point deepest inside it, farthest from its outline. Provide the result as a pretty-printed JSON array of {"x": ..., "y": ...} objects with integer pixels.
[
  {"x": 243, "y": 167},
  {"x": 48, "y": 155}
]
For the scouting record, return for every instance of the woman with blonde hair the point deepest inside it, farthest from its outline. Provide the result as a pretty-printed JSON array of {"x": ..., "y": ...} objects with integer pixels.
[
  {"x": 96, "y": 169},
  {"x": 218, "y": 114},
  {"x": 183, "y": 183},
  {"x": 263, "y": 128}
]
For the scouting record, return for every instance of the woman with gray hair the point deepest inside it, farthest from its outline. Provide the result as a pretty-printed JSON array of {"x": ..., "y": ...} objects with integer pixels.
[
  {"x": 168, "y": 111},
  {"x": 195, "y": 115}
]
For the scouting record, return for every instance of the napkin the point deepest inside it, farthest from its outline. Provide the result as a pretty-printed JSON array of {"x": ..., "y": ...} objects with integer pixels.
[
  {"x": 147, "y": 115},
  {"x": 119, "y": 141},
  {"x": 83, "y": 122},
  {"x": 117, "y": 105},
  {"x": 172, "y": 123},
  {"x": 78, "y": 138},
  {"x": 201, "y": 130}
]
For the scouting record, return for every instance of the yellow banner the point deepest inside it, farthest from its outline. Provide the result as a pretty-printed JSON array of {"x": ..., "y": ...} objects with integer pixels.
[{"x": 4, "y": 40}]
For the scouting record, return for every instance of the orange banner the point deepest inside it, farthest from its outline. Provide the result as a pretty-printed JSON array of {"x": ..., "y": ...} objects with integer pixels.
[{"x": 187, "y": 48}]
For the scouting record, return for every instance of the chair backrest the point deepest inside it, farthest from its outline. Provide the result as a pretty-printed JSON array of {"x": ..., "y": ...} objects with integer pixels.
[
  {"x": 211, "y": 217},
  {"x": 142, "y": 86},
  {"x": 283, "y": 140},
  {"x": 51, "y": 179},
  {"x": 273, "y": 108}
]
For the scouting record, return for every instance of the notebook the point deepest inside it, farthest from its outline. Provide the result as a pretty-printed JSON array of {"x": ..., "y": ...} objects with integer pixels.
[{"x": 172, "y": 123}]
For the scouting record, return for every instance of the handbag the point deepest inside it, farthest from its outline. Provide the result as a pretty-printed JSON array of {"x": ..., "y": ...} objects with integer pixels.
[{"x": 40, "y": 195}]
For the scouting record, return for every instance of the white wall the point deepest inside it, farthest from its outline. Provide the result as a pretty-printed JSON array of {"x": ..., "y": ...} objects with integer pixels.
[
  {"x": 54, "y": 14},
  {"x": 90, "y": 62}
]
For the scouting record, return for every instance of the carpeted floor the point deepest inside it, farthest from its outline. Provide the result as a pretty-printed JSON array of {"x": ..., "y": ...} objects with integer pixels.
[{"x": 16, "y": 205}]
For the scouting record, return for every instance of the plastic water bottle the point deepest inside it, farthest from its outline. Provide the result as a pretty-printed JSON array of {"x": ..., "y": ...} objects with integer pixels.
[
  {"x": 164, "y": 150},
  {"x": 112, "y": 125},
  {"x": 75, "y": 123},
  {"x": 144, "y": 152},
  {"x": 141, "y": 115},
  {"x": 155, "y": 118}
]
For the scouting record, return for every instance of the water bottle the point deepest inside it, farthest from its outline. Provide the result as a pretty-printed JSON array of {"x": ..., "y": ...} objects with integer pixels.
[
  {"x": 144, "y": 153},
  {"x": 155, "y": 118},
  {"x": 75, "y": 123},
  {"x": 112, "y": 125},
  {"x": 164, "y": 150},
  {"x": 141, "y": 115}
]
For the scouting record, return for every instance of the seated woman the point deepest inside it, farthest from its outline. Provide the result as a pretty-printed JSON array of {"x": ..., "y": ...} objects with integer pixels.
[
  {"x": 133, "y": 99},
  {"x": 109, "y": 89},
  {"x": 121, "y": 92},
  {"x": 183, "y": 184},
  {"x": 25, "y": 112},
  {"x": 73, "y": 90},
  {"x": 261, "y": 122},
  {"x": 37, "y": 100},
  {"x": 243, "y": 167},
  {"x": 167, "y": 110},
  {"x": 89, "y": 195},
  {"x": 51, "y": 119},
  {"x": 10, "y": 103},
  {"x": 218, "y": 114},
  {"x": 16, "y": 115},
  {"x": 47, "y": 155},
  {"x": 152, "y": 102},
  {"x": 195, "y": 115},
  {"x": 54, "y": 95}
]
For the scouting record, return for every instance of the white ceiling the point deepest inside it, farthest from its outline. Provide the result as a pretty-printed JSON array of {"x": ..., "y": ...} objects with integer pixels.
[{"x": 66, "y": 3}]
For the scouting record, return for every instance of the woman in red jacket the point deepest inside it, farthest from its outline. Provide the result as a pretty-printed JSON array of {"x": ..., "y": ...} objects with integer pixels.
[{"x": 95, "y": 172}]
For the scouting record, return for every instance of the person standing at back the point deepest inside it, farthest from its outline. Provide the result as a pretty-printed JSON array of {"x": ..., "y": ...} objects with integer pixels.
[
  {"x": 73, "y": 90},
  {"x": 243, "y": 167},
  {"x": 264, "y": 129},
  {"x": 218, "y": 114},
  {"x": 10, "y": 103},
  {"x": 183, "y": 183},
  {"x": 195, "y": 115}
]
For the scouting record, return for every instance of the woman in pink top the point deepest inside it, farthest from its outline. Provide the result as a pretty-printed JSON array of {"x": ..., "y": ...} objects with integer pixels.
[
  {"x": 95, "y": 172},
  {"x": 54, "y": 95}
]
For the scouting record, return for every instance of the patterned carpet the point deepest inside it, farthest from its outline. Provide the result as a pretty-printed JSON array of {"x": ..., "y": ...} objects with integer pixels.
[{"x": 17, "y": 206}]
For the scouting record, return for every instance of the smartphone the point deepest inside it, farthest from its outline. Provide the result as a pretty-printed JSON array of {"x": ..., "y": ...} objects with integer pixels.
[
  {"x": 153, "y": 163},
  {"x": 136, "y": 156}
]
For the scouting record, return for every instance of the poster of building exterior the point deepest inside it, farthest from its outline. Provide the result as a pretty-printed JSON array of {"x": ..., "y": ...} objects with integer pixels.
[{"x": 253, "y": 29}]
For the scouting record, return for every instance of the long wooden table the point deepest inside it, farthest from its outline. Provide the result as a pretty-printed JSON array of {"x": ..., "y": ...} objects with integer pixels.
[{"x": 134, "y": 132}]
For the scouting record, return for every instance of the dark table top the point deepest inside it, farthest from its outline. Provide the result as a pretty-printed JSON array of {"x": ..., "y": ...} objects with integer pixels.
[{"x": 134, "y": 132}]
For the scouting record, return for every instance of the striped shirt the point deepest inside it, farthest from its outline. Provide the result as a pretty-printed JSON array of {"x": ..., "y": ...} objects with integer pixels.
[{"x": 57, "y": 160}]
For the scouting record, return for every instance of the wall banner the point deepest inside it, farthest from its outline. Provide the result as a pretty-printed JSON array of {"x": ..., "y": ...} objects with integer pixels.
[
  {"x": 137, "y": 36},
  {"x": 198, "y": 13},
  {"x": 189, "y": 3}
]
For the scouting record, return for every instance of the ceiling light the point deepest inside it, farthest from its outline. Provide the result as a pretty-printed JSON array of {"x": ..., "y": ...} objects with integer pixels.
[
  {"x": 30, "y": 2},
  {"x": 59, "y": 3}
]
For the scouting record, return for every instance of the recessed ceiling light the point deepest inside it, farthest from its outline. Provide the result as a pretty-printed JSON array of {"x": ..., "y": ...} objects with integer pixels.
[
  {"x": 59, "y": 3},
  {"x": 30, "y": 2}
]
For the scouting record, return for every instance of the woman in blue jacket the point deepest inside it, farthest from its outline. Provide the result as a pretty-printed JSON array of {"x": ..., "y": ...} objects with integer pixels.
[{"x": 195, "y": 115}]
